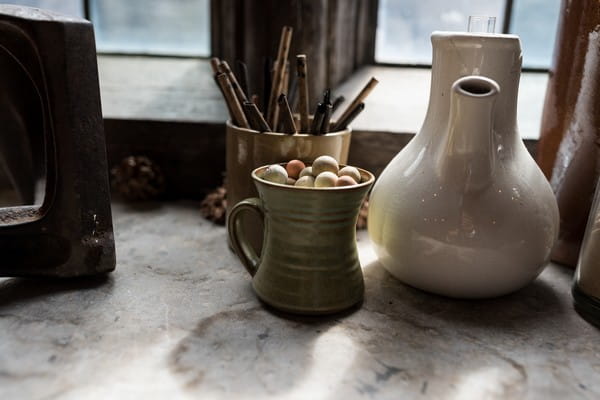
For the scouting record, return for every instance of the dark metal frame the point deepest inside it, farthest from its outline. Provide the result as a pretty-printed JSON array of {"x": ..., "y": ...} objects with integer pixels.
[
  {"x": 71, "y": 233},
  {"x": 86, "y": 9},
  {"x": 508, "y": 10}
]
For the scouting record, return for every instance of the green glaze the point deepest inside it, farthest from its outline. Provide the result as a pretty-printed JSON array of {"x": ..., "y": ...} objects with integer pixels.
[
  {"x": 248, "y": 149},
  {"x": 309, "y": 262}
]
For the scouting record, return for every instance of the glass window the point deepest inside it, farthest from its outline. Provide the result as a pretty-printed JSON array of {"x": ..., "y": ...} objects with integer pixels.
[
  {"x": 170, "y": 27},
  {"x": 164, "y": 27},
  {"x": 404, "y": 27},
  {"x": 68, "y": 7},
  {"x": 535, "y": 21}
]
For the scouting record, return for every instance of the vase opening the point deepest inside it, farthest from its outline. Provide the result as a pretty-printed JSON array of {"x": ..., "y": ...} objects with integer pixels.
[{"x": 476, "y": 86}]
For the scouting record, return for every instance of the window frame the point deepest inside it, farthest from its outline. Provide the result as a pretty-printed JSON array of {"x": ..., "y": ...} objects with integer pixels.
[
  {"x": 506, "y": 25},
  {"x": 141, "y": 133}
]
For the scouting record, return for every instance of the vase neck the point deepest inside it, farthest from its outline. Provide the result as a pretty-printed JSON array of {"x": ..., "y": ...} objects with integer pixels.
[
  {"x": 456, "y": 55},
  {"x": 466, "y": 154}
]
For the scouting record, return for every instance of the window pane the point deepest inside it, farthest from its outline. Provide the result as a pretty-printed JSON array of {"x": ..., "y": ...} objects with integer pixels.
[
  {"x": 68, "y": 7},
  {"x": 535, "y": 21},
  {"x": 178, "y": 27},
  {"x": 404, "y": 27}
]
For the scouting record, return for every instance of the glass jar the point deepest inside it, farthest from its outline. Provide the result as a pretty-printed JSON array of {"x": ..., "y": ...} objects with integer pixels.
[{"x": 586, "y": 288}]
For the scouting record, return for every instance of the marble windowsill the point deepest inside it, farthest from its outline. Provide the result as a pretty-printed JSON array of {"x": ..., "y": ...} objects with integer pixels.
[
  {"x": 178, "y": 319},
  {"x": 152, "y": 104},
  {"x": 168, "y": 89},
  {"x": 399, "y": 102}
]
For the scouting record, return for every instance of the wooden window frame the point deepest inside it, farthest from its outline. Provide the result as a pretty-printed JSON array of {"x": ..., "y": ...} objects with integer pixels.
[
  {"x": 338, "y": 36},
  {"x": 248, "y": 30}
]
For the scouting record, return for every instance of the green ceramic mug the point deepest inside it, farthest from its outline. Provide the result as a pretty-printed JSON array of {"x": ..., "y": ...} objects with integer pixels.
[
  {"x": 248, "y": 149},
  {"x": 309, "y": 261}
]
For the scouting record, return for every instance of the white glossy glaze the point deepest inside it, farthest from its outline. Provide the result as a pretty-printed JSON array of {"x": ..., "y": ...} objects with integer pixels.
[{"x": 463, "y": 210}]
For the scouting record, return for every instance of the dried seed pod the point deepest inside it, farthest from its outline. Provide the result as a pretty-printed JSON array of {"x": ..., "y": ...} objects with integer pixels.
[
  {"x": 214, "y": 206},
  {"x": 138, "y": 178},
  {"x": 363, "y": 214}
]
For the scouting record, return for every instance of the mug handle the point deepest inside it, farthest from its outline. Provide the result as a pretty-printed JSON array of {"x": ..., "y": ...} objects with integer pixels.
[{"x": 242, "y": 248}]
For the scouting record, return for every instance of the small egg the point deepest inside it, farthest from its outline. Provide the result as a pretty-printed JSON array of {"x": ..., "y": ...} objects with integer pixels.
[
  {"x": 275, "y": 173},
  {"x": 290, "y": 181},
  {"x": 325, "y": 163},
  {"x": 352, "y": 172},
  {"x": 306, "y": 172},
  {"x": 305, "y": 181},
  {"x": 294, "y": 168},
  {"x": 345, "y": 180},
  {"x": 326, "y": 179}
]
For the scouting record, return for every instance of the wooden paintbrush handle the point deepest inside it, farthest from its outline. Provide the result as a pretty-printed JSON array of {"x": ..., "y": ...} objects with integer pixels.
[
  {"x": 359, "y": 98},
  {"x": 282, "y": 55},
  {"x": 232, "y": 100},
  {"x": 302, "y": 72}
]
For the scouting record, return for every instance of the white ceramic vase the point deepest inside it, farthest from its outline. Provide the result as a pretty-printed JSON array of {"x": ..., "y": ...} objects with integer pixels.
[{"x": 463, "y": 210}]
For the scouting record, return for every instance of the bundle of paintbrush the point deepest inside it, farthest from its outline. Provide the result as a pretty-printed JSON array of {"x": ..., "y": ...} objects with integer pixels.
[{"x": 283, "y": 93}]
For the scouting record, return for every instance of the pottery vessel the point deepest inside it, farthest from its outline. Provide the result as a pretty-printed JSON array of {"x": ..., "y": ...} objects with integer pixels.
[
  {"x": 309, "y": 261},
  {"x": 586, "y": 287},
  {"x": 568, "y": 150},
  {"x": 249, "y": 149},
  {"x": 463, "y": 210}
]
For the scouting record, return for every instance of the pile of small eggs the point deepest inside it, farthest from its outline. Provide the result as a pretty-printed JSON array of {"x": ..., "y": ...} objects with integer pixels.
[{"x": 323, "y": 173}]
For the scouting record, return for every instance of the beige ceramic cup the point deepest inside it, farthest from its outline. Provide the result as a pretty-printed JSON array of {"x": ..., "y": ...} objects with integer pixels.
[
  {"x": 309, "y": 262},
  {"x": 248, "y": 149}
]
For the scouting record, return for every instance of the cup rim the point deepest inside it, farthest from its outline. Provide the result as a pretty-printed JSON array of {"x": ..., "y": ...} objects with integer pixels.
[
  {"x": 358, "y": 186},
  {"x": 346, "y": 131}
]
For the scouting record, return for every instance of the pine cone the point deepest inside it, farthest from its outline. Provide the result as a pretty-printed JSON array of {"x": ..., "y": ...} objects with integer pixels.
[
  {"x": 214, "y": 206},
  {"x": 362, "y": 215},
  {"x": 138, "y": 178}
]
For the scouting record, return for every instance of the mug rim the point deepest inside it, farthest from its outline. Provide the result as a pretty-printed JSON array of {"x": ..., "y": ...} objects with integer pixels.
[
  {"x": 358, "y": 186},
  {"x": 346, "y": 131}
]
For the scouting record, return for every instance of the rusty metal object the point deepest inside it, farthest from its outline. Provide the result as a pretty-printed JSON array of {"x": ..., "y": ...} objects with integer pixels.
[
  {"x": 569, "y": 146},
  {"x": 71, "y": 233}
]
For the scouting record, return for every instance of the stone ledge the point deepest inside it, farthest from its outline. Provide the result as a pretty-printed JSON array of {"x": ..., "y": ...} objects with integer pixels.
[{"x": 178, "y": 319}]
